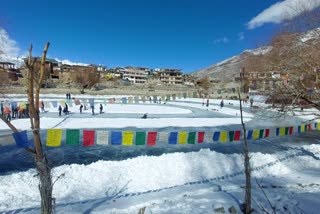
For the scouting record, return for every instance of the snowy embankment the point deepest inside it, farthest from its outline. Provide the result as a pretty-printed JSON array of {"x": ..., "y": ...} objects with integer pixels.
[{"x": 292, "y": 171}]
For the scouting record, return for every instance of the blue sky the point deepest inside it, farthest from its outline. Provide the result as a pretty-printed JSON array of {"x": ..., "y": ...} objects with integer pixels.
[{"x": 184, "y": 34}]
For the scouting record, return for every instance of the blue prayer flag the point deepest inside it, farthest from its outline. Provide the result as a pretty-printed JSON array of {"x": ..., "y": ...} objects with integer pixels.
[
  {"x": 299, "y": 129},
  {"x": 116, "y": 138},
  {"x": 21, "y": 139},
  {"x": 216, "y": 136},
  {"x": 249, "y": 135},
  {"x": 173, "y": 137},
  {"x": 277, "y": 131}
]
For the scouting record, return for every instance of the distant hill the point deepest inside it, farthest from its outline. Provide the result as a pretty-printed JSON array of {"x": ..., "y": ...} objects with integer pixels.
[{"x": 227, "y": 70}]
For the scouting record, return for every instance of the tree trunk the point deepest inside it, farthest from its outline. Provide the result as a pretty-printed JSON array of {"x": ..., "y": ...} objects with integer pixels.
[
  {"x": 45, "y": 185},
  {"x": 247, "y": 168}
]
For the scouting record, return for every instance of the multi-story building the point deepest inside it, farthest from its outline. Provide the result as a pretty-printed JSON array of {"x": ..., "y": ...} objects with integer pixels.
[
  {"x": 135, "y": 75},
  {"x": 170, "y": 76}
]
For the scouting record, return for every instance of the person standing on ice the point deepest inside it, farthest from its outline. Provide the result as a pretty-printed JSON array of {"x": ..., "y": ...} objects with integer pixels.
[
  {"x": 81, "y": 107},
  {"x": 101, "y": 108},
  {"x": 221, "y": 103},
  {"x": 60, "y": 110}
]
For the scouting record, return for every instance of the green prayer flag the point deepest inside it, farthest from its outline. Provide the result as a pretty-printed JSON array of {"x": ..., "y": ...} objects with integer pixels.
[
  {"x": 140, "y": 138},
  {"x": 261, "y": 133},
  {"x": 192, "y": 138},
  {"x": 231, "y": 136},
  {"x": 287, "y": 131},
  {"x": 73, "y": 136}
]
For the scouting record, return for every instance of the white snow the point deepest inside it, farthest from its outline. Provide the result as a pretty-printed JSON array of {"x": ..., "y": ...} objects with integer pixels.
[{"x": 193, "y": 182}]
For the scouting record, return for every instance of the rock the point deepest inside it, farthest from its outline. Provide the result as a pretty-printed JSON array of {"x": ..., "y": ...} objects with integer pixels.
[
  {"x": 219, "y": 210},
  {"x": 232, "y": 209}
]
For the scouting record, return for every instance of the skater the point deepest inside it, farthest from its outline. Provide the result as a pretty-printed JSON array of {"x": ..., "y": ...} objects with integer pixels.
[
  {"x": 1, "y": 108},
  {"x": 144, "y": 116},
  {"x": 101, "y": 108},
  {"x": 81, "y": 107},
  {"x": 60, "y": 109},
  {"x": 7, "y": 113},
  {"x": 66, "y": 109},
  {"x": 221, "y": 103},
  {"x": 42, "y": 106},
  {"x": 207, "y": 102},
  {"x": 251, "y": 102},
  {"x": 92, "y": 108}
]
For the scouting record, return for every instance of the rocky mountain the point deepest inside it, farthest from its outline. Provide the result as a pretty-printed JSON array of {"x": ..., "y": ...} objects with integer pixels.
[{"x": 227, "y": 70}]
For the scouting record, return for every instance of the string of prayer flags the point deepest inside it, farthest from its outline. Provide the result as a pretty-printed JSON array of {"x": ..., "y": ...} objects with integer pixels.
[
  {"x": 152, "y": 138},
  {"x": 183, "y": 137},
  {"x": 72, "y": 137},
  {"x": 200, "y": 137},
  {"x": 173, "y": 137},
  {"x": 21, "y": 139},
  {"x": 140, "y": 138},
  {"x": 127, "y": 138},
  {"x": 191, "y": 138},
  {"x": 223, "y": 136},
  {"x": 116, "y": 137},
  {"x": 102, "y": 138},
  {"x": 54, "y": 137},
  {"x": 88, "y": 137}
]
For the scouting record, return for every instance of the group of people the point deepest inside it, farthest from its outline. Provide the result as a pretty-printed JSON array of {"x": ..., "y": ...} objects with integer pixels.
[
  {"x": 66, "y": 111},
  {"x": 14, "y": 110}
]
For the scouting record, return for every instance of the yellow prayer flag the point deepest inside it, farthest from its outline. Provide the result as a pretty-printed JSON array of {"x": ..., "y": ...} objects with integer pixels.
[
  {"x": 127, "y": 138},
  {"x": 282, "y": 131},
  {"x": 255, "y": 134},
  {"x": 54, "y": 137},
  {"x": 183, "y": 137},
  {"x": 303, "y": 128},
  {"x": 223, "y": 136},
  {"x": 318, "y": 126}
]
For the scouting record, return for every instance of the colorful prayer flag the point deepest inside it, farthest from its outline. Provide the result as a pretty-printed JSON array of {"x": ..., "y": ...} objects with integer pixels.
[
  {"x": 102, "y": 137},
  {"x": 249, "y": 134},
  {"x": 88, "y": 137},
  {"x": 223, "y": 136},
  {"x": 290, "y": 130},
  {"x": 173, "y": 137},
  {"x": 277, "y": 131},
  {"x": 163, "y": 137},
  {"x": 127, "y": 138},
  {"x": 200, "y": 137},
  {"x": 183, "y": 137},
  {"x": 21, "y": 139},
  {"x": 140, "y": 138},
  {"x": 216, "y": 136},
  {"x": 267, "y": 132},
  {"x": 191, "y": 138},
  {"x": 72, "y": 137},
  {"x": 116, "y": 138},
  {"x": 208, "y": 137},
  {"x": 309, "y": 127},
  {"x": 255, "y": 134},
  {"x": 282, "y": 131},
  {"x": 261, "y": 132},
  {"x": 54, "y": 137},
  {"x": 286, "y": 131},
  {"x": 237, "y": 135},
  {"x": 231, "y": 136},
  {"x": 152, "y": 138}
]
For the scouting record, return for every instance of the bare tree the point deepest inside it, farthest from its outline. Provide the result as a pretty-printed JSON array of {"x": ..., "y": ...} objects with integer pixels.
[
  {"x": 34, "y": 82},
  {"x": 87, "y": 78}
]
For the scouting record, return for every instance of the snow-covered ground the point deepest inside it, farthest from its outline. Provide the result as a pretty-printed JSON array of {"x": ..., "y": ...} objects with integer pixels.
[{"x": 176, "y": 182}]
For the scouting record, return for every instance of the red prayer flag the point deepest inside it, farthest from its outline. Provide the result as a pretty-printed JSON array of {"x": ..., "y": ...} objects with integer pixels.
[
  {"x": 200, "y": 137},
  {"x": 309, "y": 127},
  {"x": 88, "y": 137},
  {"x": 152, "y": 138},
  {"x": 290, "y": 130},
  {"x": 267, "y": 132},
  {"x": 237, "y": 135}
]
